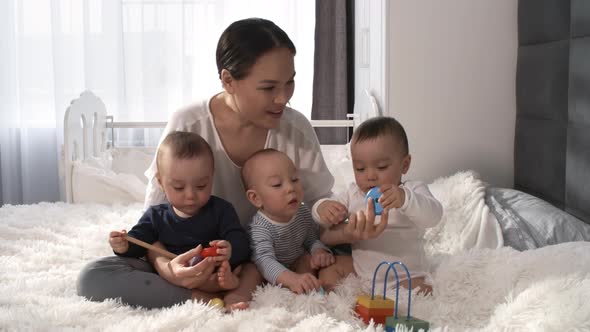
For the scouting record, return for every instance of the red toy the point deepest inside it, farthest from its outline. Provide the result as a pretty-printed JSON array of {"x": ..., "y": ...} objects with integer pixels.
[
  {"x": 206, "y": 252},
  {"x": 209, "y": 252}
]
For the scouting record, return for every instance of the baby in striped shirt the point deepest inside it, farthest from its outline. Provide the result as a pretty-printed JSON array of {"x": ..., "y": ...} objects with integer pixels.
[{"x": 284, "y": 237}]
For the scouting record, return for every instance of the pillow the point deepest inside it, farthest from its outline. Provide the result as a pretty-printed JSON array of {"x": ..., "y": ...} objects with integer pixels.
[
  {"x": 529, "y": 222},
  {"x": 118, "y": 176},
  {"x": 134, "y": 160},
  {"x": 94, "y": 183},
  {"x": 339, "y": 163}
]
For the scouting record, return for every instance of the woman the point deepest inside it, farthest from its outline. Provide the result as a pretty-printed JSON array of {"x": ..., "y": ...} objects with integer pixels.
[{"x": 255, "y": 62}]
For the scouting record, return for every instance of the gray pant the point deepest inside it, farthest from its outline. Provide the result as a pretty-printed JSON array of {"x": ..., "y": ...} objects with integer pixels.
[{"x": 132, "y": 280}]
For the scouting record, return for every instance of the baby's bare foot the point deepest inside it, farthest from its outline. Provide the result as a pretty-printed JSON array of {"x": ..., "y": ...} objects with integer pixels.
[
  {"x": 227, "y": 279},
  {"x": 237, "y": 306},
  {"x": 235, "y": 301}
]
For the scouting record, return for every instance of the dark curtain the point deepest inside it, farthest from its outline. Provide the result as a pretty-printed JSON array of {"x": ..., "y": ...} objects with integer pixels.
[{"x": 333, "y": 78}]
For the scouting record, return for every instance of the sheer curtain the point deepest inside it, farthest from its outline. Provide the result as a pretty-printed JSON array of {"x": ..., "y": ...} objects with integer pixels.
[{"x": 145, "y": 59}]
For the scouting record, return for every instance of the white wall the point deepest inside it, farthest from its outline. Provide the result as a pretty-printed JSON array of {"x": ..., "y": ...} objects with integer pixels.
[
  {"x": 449, "y": 77},
  {"x": 370, "y": 53}
]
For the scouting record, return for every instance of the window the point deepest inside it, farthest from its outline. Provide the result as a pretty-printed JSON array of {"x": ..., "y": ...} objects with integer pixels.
[{"x": 144, "y": 58}]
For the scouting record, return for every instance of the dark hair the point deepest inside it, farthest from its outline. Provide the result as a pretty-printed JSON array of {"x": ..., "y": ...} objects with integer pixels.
[
  {"x": 382, "y": 125},
  {"x": 184, "y": 145},
  {"x": 244, "y": 41},
  {"x": 246, "y": 167}
]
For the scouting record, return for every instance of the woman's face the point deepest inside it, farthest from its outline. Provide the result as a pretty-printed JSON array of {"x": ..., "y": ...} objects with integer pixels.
[{"x": 261, "y": 97}]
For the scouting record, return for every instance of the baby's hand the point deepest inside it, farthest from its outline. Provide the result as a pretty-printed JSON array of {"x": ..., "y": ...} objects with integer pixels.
[
  {"x": 118, "y": 241},
  {"x": 321, "y": 258},
  {"x": 301, "y": 283},
  {"x": 223, "y": 250},
  {"x": 391, "y": 196},
  {"x": 332, "y": 212}
]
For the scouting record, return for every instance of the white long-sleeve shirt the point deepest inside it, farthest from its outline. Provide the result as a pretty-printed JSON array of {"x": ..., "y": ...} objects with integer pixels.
[
  {"x": 402, "y": 239},
  {"x": 294, "y": 136}
]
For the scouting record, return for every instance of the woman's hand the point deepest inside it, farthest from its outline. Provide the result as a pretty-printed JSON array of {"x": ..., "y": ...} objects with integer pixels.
[
  {"x": 361, "y": 225},
  {"x": 178, "y": 272}
]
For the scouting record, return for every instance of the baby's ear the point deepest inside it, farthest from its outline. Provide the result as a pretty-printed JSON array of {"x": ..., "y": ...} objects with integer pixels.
[
  {"x": 254, "y": 198},
  {"x": 406, "y": 163}
]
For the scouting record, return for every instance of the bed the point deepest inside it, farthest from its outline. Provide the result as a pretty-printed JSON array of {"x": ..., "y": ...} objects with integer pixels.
[
  {"x": 45, "y": 245},
  {"x": 98, "y": 168},
  {"x": 501, "y": 258}
]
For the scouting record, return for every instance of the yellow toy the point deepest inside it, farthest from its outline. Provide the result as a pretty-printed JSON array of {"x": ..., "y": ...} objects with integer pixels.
[
  {"x": 368, "y": 307},
  {"x": 217, "y": 302}
]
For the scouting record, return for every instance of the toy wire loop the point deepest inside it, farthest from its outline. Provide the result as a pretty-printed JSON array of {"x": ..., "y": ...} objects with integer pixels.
[{"x": 391, "y": 266}]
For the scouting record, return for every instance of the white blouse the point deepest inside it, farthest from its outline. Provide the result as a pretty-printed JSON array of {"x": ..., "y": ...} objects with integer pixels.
[{"x": 294, "y": 136}]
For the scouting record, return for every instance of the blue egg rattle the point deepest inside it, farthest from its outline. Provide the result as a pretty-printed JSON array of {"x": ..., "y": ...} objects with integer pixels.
[{"x": 375, "y": 194}]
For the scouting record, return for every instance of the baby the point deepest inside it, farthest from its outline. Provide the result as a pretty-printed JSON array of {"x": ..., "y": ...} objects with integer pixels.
[
  {"x": 284, "y": 237},
  {"x": 380, "y": 156},
  {"x": 193, "y": 216}
]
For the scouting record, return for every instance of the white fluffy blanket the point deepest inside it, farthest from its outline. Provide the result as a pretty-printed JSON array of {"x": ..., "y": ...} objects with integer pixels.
[
  {"x": 43, "y": 246},
  {"x": 467, "y": 221}
]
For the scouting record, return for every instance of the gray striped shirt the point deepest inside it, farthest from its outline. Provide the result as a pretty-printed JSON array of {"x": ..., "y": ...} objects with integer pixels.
[{"x": 276, "y": 246}]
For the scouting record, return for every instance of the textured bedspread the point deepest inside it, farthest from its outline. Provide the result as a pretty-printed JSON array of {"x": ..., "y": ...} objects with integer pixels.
[{"x": 43, "y": 246}]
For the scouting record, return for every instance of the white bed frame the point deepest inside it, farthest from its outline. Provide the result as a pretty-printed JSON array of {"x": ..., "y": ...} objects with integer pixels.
[
  {"x": 85, "y": 134},
  {"x": 86, "y": 126}
]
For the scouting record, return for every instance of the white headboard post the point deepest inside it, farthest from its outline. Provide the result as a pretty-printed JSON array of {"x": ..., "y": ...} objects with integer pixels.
[{"x": 84, "y": 133}]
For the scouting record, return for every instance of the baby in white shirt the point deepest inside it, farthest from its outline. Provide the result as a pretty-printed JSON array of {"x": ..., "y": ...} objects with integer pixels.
[{"x": 380, "y": 156}]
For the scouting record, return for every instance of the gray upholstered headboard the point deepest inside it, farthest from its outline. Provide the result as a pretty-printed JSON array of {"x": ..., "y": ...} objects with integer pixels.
[{"x": 552, "y": 145}]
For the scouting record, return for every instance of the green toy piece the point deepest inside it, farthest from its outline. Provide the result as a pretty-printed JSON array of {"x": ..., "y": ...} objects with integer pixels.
[
  {"x": 409, "y": 322},
  {"x": 412, "y": 323}
]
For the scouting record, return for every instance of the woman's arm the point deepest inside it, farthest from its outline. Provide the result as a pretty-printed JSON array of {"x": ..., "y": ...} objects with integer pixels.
[
  {"x": 177, "y": 271},
  {"x": 361, "y": 226},
  {"x": 335, "y": 235},
  {"x": 306, "y": 153}
]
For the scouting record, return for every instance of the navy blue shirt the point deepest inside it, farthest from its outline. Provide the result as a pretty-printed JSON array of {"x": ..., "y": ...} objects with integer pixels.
[{"x": 216, "y": 220}]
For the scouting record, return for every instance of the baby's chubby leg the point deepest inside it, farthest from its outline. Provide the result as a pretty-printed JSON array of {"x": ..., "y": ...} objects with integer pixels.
[
  {"x": 199, "y": 295},
  {"x": 303, "y": 265},
  {"x": 331, "y": 275},
  {"x": 222, "y": 280},
  {"x": 239, "y": 298},
  {"x": 420, "y": 284}
]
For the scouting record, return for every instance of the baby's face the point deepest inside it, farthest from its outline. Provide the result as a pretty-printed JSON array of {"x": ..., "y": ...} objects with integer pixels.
[
  {"x": 378, "y": 161},
  {"x": 187, "y": 183},
  {"x": 277, "y": 185}
]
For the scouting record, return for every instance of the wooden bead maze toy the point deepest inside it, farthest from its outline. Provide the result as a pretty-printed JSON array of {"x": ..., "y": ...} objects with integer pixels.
[{"x": 384, "y": 310}]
